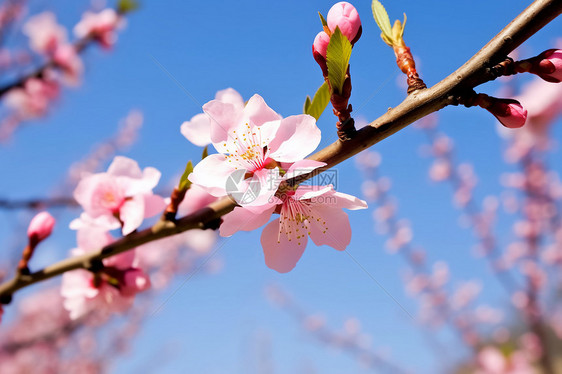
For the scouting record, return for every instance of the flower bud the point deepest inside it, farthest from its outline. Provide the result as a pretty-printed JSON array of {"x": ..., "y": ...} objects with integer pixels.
[
  {"x": 320, "y": 44},
  {"x": 509, "y": 112},
  {"x": 41, "y": 226},
  {"x": 134, "y": 281},
  {"x": 549, "y": 66},
  {"x": 345, "y": 16}
]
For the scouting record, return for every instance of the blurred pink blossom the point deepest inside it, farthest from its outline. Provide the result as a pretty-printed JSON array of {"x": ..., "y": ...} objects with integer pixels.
[
  {"x": 33, "y": 99},
  {"x": 100, "y": 26},
  {"x": 111, "y": 289},
  {"x": 45, "y": 34},
  {"x": 122, "y": 196}
]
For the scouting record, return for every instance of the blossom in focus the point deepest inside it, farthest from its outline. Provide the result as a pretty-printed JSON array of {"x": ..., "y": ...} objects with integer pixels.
[
  {"x": 100, "y": 26},
  {"x": 345, "y": 16},
  {"x": 320, "y": 45},
  {"x": 120, "y": 197},
  {"x": 33, "y": 99},
  {"x": 548, "y": 65},
  {"x": 252, "y": 142},
  {"x": 45, "y": 34},
  {"x": 303, "y": 212},
  {"x": 111, "y": 289},
  {"x": 198, "y": 129},
  {"x": 41, "y": 226}
]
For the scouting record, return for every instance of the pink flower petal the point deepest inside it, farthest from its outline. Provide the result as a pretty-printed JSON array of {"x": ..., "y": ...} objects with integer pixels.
[
  {"x": 212, "y": 173},
  {"x": 230, "y": 96},
  {"x": 280, "y": 254},
  {"x": 224, "y": 119},
  {"x": 241, "y": 219},
  {"x": 153, "y": 205},
  {"x": 197, "y": 130},
  {"x": 333, "y": 229},
  {"x": 297, "y": 137},
  {"x": 124, "y": 167},
  {"x": 132, "y": 214},
  {"x": 257, "y": 112}
]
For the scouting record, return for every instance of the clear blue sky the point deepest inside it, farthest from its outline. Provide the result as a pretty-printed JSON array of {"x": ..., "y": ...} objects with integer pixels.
[{"x": 265, "y": 47}]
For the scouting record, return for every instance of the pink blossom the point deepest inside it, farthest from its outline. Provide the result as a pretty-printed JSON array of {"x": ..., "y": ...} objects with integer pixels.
[
  {"x": 252, "y": 142},
  {"x": 41, "y": 226},
  {"x": 45, "y": 34},
  {"x": 122, "y": 196},
  {"x": 111, "y": 289},
  {"x": 198, "y": 129},
  {"x": 70, "y": 63},
  {"x": 440, "y": 170},
  {"x": 320, "y": 44},
  {"x": 345, "y": 16},
  {"x": 33, "y": 99},
  {"x": 305, "y": 212},
  {"x": 100, "y": 26}
]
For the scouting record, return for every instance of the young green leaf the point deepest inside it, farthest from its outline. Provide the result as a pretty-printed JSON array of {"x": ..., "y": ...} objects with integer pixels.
[
  {"x": 307, "y": 103},
  {"x": 337, "y": 59},
  {"x": 126, "y": 6},
  {"x": 184, "y": 182},
  {"x": 205, "y": 152},
  {"x": 323, "y": 20},
  {"x": 319, "y": 102},
  {"x": 381, "y": 18}
]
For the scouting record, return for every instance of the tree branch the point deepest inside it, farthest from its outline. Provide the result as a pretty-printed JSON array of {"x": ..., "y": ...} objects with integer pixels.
[{"x": 417, "y": 105}]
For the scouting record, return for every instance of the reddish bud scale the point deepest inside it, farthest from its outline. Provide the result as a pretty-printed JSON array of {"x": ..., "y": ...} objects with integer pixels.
[{"x": 407, "y": 65}]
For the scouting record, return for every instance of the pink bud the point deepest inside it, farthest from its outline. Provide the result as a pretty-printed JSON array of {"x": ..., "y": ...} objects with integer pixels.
[
  {"x": 345, "y": 16},
  {"x": 41, "y": 226},
  {"x": 509, "y": 112},
  {"x": 549, "y": 66},
  {"x": 321, "y": 44},
  {"x": 134, "y": 281}
]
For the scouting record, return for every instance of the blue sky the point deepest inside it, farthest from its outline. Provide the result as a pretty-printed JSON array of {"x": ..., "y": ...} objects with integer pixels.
[{"x": 214, "y": 322}]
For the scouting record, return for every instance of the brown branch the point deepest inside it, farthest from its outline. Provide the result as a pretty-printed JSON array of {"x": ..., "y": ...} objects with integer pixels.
[
  {"x": 54, "y": 202},
  {"x": 417, "y": 105}
]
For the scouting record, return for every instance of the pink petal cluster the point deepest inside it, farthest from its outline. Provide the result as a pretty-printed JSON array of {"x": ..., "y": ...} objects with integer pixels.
[
  {"x": 41, "y": 226},
  {"x": 45, "y": 34},
  {"x": 252, "y": 141},
  {"x": 49, "y": 38},
  {"x": 111, "y": 289},
  {"x": 33, "y": 99},
  {"x": 120, "y": 197},
  {"x": 342, "y": 15},
  {"x": 304, "y": 212},
  {"x": 100, "y": 26}
]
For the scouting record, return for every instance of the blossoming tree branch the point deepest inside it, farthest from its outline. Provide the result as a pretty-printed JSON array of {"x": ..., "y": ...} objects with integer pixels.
[{"x": 261, "y": 171}]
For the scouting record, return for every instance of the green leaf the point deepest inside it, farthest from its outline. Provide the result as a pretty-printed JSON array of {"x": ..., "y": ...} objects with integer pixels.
[
  {"x": 126, "y": 6},
  {"x": 184, "y": 182},
  {"x": 319, "y": 102},
  {"x": 381, "y": 18},
  {"x": 205, "y": 152},
  {"x": 307, "y": 103},
  {"x": 337, "y": 59},
  {"x": 323, "y": 20}
]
